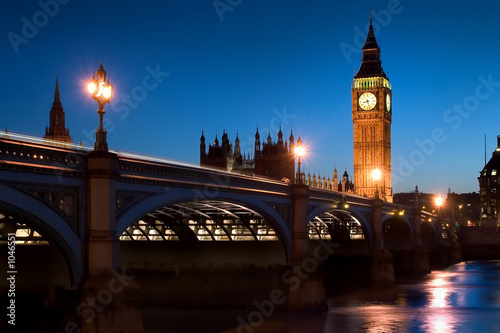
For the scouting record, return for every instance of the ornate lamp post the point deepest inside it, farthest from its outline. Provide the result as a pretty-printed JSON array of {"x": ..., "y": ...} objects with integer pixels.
[
  {"x": 101, "y": 91},
  {"x": 376, "y": 174},
  {"x": 299, "y": 151}
]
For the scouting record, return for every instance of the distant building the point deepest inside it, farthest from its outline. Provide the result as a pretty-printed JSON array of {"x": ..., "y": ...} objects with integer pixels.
[
  {"x": 344, "y": 185},
  {"x": 489, "y": 189},
  {"x": 275, "y": 159},
  {"x": 57, "y": 130},
  {"x": 462, "y": 208},
  {"x": 271, "y": 159},
  {"x": 420, "y": 200}
]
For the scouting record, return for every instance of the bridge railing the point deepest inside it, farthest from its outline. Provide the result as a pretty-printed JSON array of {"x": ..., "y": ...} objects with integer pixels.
[
  {"x": 135, "y": 168},
  {"x": 22, "y": 151}
]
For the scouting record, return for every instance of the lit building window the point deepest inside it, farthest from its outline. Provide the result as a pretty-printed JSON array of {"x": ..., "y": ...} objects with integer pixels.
[{"x": 494, "y": 172}]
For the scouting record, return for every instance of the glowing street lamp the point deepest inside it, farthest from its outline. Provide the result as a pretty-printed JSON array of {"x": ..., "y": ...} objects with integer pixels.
[
  {"x": 439, "y": 202},
  {"x": 376, "y": 175},
  {"x": 101, "y": 91},
  {"x": 299, "y": 151}
]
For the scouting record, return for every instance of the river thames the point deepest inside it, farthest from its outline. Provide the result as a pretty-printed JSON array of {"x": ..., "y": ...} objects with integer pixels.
[{"x": 462, "y": 298}]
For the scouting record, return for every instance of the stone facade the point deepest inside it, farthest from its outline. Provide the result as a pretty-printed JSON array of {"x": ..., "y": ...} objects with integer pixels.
[{"x": 372, "y": 117}]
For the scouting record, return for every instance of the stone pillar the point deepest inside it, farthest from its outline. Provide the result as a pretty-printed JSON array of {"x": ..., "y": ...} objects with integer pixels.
[
  {"x": 378, "y": 233},
  {"x": 455, "y": 249},
  {"x": 109, "y": 302},
  {"x": 300, "y": 239},
  {"x": 102, "y": 242},
  {"x": 307, "y": 292},
  {"x": 382, "y": 263},
  {"x": 420, "y": 255}
]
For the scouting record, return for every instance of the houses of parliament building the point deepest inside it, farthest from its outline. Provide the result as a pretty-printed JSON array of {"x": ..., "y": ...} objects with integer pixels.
[
  {"x": 275, "y": 160},
  {"x": 371, "y": 94}
]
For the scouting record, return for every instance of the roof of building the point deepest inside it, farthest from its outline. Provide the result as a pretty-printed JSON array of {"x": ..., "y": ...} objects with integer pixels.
[
  {"x": 371, "y": 65},
  {"x": 494, "y": 162}
]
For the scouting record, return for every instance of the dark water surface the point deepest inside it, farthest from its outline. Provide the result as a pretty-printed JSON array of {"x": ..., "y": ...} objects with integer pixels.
[{"x": 463, "y": 298}]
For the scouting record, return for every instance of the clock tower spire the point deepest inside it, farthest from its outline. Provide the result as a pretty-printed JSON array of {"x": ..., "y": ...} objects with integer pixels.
[{"x": 372, "y": 118}]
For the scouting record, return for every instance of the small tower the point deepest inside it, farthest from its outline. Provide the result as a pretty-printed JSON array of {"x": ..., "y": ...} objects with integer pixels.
[
  {"x": 257, "y": 143},
  {"x": 57, "y": 130},
  {"x": 218, "y": 155},
  {"x": 280, "y": 137},
  {"x": 335, "y": 180},
  {"x": 225, "y": 143},
  {"x": 416, "y": 197},
  {"x": 202, "y": 146},
  {"x": 238, "y": 159},
  {"x": 345, "y": 180},
  {"x": 291, "y": 144}
]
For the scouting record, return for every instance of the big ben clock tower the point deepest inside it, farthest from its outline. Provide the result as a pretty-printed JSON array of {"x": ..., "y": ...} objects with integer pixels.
[{"x": 372, "y": 117}]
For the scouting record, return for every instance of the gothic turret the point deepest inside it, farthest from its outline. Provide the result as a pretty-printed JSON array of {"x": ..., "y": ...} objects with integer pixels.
[
  {"x": 291, "y": 144},
  {"x": 202, "y": 145},
  {"x": 257, "y": 142},
  {"x": 238, "y": 159},
  {"x": 57, "y": 129},
  {"x": 218, "y": 155},
  {"x": 335, "y": 179}
]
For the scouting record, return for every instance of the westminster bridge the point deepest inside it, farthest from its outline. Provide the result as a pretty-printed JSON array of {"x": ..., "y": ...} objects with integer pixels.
[{"x": 188, "y": 233}]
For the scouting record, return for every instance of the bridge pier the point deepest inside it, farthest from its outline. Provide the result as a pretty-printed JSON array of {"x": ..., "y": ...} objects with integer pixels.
[
  {"x": 109, "y": 301},
  {"x": 382, "y": 260},
  {"x": 420, "y": 255},
  {"x": 102, "y": 242},
  {"x": 455, "y": 249},
  {"x": 306, "y": 289}
]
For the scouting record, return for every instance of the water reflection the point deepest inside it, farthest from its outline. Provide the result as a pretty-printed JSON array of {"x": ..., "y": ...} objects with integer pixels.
[
  {"x": 443, "y": 323},
  {"x": 463, "y": 298},
  {"x": 440, "y": 289}
]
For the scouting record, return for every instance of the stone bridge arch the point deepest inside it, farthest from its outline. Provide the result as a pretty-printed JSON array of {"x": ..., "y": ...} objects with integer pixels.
[
  {"x": 356, "y": 214},
  {"x": 49, "y": 224},
  {"x": 397, "y": 232},
  {"x": 274, "y": 210}
]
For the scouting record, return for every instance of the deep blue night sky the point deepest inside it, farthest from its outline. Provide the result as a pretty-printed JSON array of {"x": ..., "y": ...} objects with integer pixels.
[{"x": 266, "y": 63}]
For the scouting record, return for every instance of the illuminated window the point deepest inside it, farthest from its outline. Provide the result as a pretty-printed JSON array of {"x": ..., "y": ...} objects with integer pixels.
[{"x": 494, "y": 172}]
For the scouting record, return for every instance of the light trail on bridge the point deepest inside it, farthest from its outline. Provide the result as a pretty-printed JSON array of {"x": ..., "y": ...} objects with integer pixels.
[{"x": 121, "y": 153}]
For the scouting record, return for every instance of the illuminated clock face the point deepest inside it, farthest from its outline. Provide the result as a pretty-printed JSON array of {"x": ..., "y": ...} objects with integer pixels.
[
  {"x": 367, "y": 101},
  {"x": 388, "y": 102}
]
